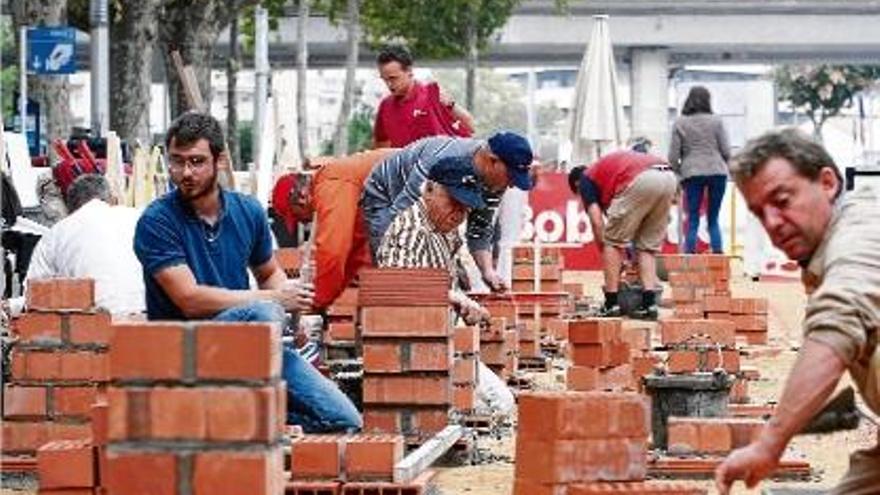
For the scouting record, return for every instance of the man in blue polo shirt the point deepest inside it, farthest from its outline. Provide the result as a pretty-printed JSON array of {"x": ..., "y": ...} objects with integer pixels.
[{"x": 196, "y": 243}]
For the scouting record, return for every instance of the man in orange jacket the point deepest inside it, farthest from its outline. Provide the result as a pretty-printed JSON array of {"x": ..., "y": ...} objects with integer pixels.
[{"x": 330, "y": 196}]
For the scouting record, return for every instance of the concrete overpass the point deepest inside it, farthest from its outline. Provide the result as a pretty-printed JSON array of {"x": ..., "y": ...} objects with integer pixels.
[{"x": 690, "y": 32}]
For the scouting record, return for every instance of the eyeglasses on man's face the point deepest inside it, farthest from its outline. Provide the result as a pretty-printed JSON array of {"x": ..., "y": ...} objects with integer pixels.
[{"x": 195, "y": 163}]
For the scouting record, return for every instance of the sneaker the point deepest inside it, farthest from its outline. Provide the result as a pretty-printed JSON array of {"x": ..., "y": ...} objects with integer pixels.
[
  {"x": 311, "y": 352},
  {"x": 610, "y": 311},
  {"x": 650, "y": 313}
]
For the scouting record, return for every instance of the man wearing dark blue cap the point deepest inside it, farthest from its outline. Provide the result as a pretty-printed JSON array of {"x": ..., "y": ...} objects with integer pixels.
[
  {"x": 396, "y": 183},
  {"x": 425, "y": 235}
]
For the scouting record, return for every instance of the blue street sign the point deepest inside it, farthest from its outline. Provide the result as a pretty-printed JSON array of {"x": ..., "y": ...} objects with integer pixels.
[{"x": 51, "y": 50}]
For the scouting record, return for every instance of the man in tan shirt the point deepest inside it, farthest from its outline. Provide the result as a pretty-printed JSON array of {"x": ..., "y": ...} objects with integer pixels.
[{"x": 792, "y": 185}]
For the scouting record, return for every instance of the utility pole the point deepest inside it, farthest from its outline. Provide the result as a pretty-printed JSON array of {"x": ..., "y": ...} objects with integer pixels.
[
  {"x": 261, "y": 72},
  {"x": 100, "y": 61}
]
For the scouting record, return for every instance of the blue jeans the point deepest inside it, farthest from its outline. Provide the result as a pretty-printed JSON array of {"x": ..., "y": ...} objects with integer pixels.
[
  {"x": 693, "y": 191},
  {"x": 313, "y": 401}
]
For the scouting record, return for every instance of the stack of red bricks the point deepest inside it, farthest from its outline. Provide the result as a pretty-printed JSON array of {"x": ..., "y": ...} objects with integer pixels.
[
  {"x": 195, "y": 408},
  {"x": 547, "y": 270},
  {"x": 499, "y": 340},
  {"x": 599, "y": 354},
  {"x": 341, "y": 315},
  {"x": 710, "y": 436},
  {"x": 336, "y": 464},
  {"x": 701, "y": 289},
  {"x": 572, "y": 443},
  {"x": 58, "y": 368},
  {"x": 407, "y": 352},
  {"x": 699, "y": 345},
  {"x": 465, "y": 369}
]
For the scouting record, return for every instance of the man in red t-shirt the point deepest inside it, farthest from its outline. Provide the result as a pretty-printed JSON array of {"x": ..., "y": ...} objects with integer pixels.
[
  {"x": 413, "y": 110},
  {"x": 634, "y": 191}
]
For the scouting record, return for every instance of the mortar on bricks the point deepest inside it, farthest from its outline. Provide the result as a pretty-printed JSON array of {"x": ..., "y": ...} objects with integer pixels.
[{"x": 702, "y": 395}]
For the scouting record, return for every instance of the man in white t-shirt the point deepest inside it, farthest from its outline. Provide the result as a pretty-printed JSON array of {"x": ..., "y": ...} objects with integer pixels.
[{"x": 94, "y": 241}]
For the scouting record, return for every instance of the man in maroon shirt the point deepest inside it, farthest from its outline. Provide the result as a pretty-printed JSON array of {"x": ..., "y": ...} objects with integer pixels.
[
  {"x": 413, "y": 110},
  {"x": 634, "y": 191}
]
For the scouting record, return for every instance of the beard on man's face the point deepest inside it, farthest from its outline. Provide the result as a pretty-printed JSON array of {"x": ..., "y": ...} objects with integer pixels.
[{"x": 193, "y": 188}]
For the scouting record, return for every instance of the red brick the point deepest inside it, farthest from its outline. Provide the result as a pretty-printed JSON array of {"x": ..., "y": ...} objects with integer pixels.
[
  {"x": 618, "y": 378},
  {"x": 493, "y": 352},
  {"x": 739, "y": 392},
  {"x": 494, "y": 332},
  {"x": 177, "y": 413},
  {"x": 231, "y": 472},
  {"x": 138, "y": 473},
  {"x": 748, "y": 306},
  {"x": 238, "y": 351},
  {"x": 716, "y": 303},
  {"x": 599, "y": 355},
  {"x": 549, "y": 415},
  {"x": 582, "y": 378},
  {"x": 395, "y": 356},
  {"x": 146, "y": 351},
  {"x": 562, "y": 461},
  {"x": 745, "y": 323},
  {"x": 70, "y": 491},
  {"x": 503, "y": 309},
  {"x": 575, "y": 289},
  {"x": 464, "y": 397},
  {"x": 231, "y": 413},
  {"x": 30, "y": 365},
  {"x": 382, "y": 357},
  {"x": 754, "y": 338},
  {"x": 393, "y": 389},
  {"x": 682, "y": 437},
  {"x": 61, "y": 294},
  {"x": 389, "y": 321},
  {"x": 90, "y": 328},
  {"x": 464, "y": 370},
  {"x": 683, "y": 295},
  {"x": 289, "y": 258},
  {"x": 638, "y": 336},
  {"x": 35, "y": 326},
  {"x": 422, "y": 420},
  {"x": 19, "y": 401},
  {"x": 25, "y": 436},
  {"x": 342, "y": 330},
  {"x": 689, "y": 361},
  {"x": 557, "y": 328},
  {"x": 69, "y": 431},
  {"x": 316, "y": 457},
  {"x": 652, "y": 487},
  {"x": 372, "y": 457},
  {"x": 715, "y": 437},
  {"x": 430, "y": 356},
  {"x": 66, "y": 464},
  {"x": 74, "y": 401},
  {"x": 688, "y": 310},
  {"x": 98, "y": 416},
  {"x": 467, "y": 340},
  {"x": 84, "y": 365},
  {"x": 697, "y": 331},
  {"x": 313, "y": 487},
  {"x": 594, "y": 330}
]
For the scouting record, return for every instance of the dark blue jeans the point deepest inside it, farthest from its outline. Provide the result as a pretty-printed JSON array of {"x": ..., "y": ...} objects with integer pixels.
[
  {"x": 693, "y": 191},
  {"x": 313, "y": 401}
]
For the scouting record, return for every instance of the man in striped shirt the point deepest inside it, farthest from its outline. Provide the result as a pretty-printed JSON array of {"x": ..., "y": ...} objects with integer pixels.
[
  {"x": 396, "y": 184},
  {"x": 425, "y": 235}
]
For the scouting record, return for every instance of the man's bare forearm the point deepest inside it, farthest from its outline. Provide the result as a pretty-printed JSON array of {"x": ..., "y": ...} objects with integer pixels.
[{"x": 811, "y": 382}]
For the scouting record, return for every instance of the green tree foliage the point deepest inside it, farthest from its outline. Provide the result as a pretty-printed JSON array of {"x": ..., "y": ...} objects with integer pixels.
[
  {"x": 434, "y": 29},
  {"x": 822, "y": 91},
  {"x": 275, "y": 8},
  {"x": 360, "y": 131},
  {"x": 9, "y": 74}
]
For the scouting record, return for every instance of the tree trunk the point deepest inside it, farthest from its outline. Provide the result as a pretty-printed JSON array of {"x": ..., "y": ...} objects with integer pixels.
[
  {"x": 133, "y": 36},
  {"x": 302, "y": 67},
  {"x": 232, "y": 67},
  {"x": 193, "y": 31},
  {"x": 51, "y": 92},
  {"x": 353, "y": 27},
  {"x": 471, "y": 62}
]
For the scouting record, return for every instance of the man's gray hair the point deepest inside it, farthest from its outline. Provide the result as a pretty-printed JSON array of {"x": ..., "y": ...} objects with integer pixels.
[
  {"x": 86, "y": 188},
  {"x": 806, "y": 156}
]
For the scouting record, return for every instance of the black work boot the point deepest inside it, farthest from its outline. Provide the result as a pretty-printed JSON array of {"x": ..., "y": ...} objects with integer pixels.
[
  {"x": 611, "y": 308},
  {"x": 648, "y": 310}
]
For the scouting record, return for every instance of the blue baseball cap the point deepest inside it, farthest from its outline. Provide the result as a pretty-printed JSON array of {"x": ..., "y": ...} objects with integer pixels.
[
  {"x": 516, "y": 153},
  {"x": 458, "y": 176}
]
